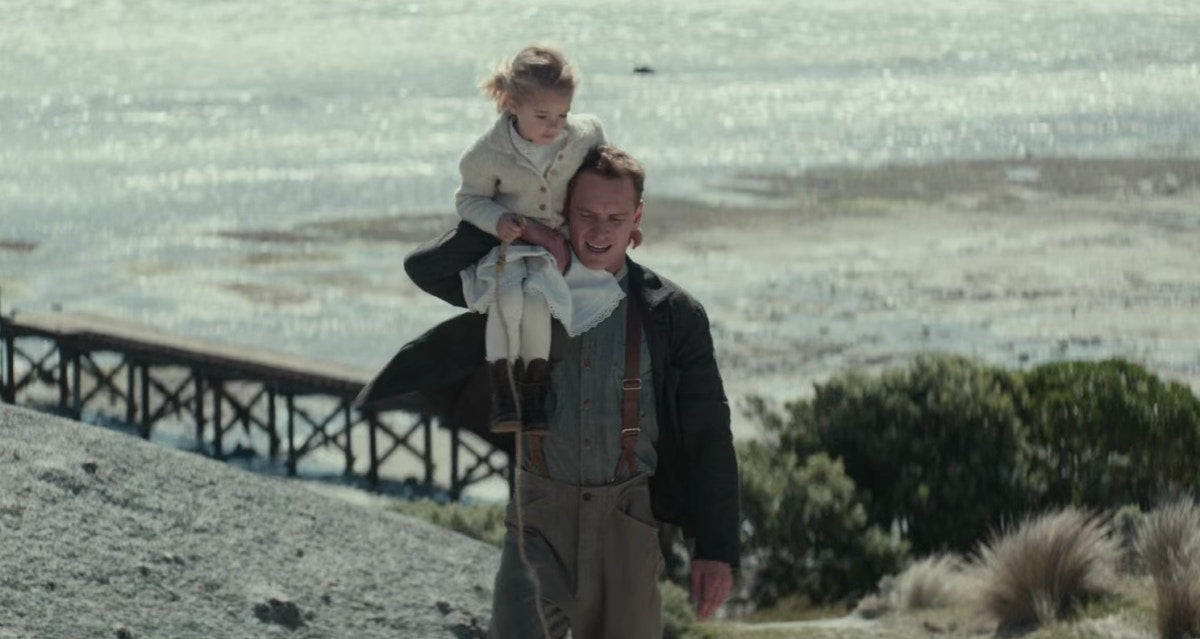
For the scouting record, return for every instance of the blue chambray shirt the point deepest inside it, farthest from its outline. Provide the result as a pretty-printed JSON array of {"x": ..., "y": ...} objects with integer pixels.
[{"x": 584, "y": 405}]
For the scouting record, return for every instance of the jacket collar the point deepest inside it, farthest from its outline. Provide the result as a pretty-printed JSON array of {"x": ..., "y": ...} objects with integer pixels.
[{"x": 651, "y": 288}]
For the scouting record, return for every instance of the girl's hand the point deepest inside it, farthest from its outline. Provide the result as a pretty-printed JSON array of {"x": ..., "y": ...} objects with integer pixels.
[
  {"x": 508, "y": 228},
  {"x": 549, "y": 239}
]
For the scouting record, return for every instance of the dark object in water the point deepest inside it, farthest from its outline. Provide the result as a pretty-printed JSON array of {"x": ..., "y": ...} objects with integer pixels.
[{"x": 641, "y": 68}]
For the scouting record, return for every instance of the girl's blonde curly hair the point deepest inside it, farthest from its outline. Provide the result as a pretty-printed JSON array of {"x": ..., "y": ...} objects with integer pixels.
[{"x": 535, "y": 68}]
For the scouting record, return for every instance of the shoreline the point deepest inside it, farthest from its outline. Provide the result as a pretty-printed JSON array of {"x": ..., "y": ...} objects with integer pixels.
[{"x": 1015, "y": 262}]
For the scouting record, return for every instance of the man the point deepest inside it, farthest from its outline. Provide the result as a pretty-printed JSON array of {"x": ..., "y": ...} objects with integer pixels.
[{"x": 636, "y": 436}]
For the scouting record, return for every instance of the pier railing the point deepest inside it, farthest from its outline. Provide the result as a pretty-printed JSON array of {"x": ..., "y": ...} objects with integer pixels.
[{"x": 295, "y": 407}]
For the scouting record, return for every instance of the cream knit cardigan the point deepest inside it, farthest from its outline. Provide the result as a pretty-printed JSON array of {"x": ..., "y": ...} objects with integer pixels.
[{"x": 497, "y": 178}]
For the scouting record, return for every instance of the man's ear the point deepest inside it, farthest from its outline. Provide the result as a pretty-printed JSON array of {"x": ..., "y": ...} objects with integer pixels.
[{"x": 635, "y": 236}]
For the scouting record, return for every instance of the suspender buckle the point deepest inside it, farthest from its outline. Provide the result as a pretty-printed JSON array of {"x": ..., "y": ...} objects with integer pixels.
[
  {"x": 631, "y": 384},
  {"x": 630, "y": 431}
]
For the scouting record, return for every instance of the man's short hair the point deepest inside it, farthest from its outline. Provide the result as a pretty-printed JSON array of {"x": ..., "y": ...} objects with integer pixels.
[{"x": 608, "y": 161}]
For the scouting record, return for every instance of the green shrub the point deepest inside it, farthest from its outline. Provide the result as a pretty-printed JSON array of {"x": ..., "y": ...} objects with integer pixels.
[
  {"x": 484, "y": 522},
  {"x": 678, "y": 617},
  {"x": 935, "y": 448},
  {"x": 1104, "y": 434},
  {"x": 806, "y": 533}
]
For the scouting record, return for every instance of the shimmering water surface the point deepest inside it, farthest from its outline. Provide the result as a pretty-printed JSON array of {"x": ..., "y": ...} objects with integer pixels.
[{"x": 140, "y": 138}]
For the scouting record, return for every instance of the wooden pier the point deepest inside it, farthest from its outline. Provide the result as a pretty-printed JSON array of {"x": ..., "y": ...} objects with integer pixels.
[{"x": 75, "y": 363}]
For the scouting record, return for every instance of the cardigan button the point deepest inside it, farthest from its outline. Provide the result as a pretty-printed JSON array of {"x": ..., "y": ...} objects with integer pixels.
[
  {"x": 543, "y": 189},
  {"x": 541, "y": 207}
]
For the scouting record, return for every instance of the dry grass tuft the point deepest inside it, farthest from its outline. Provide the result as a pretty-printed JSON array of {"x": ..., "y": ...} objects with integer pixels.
[
  {"x": 1177, "y": 610},
  {"x": 939, "y": 581},
  {"x": 1169, "y": 537},
  {"x": 1044, "y": 569},
  {"x": 1169, "y": 543}
]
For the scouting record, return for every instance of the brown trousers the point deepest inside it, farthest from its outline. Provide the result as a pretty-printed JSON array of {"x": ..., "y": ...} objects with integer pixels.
[{"x": 596, "y": 555}]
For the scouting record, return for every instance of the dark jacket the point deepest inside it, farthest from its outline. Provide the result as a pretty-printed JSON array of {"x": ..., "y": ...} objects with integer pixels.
[{"x": 696, "y": 483}]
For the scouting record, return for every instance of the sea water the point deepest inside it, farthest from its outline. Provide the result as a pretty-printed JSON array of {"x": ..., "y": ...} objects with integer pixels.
[{"x": 143, "y": 141}]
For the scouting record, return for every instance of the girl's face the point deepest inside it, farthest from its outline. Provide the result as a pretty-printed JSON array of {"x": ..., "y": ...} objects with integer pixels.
[{"x": 542, "y": 116}]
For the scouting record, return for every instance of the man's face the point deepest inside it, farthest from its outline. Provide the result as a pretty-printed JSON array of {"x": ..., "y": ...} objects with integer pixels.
[{"x": 602, "y": 214}]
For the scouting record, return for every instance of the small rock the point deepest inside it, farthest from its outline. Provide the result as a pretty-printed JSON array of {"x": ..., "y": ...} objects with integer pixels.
[
  {"x": 90, "y": 468},
  {"x": 124, "y": 633},
  {"x": 443, "y": 607},
  {"x": 283, "y": 613},
  {"x": 299, "y": 552},
  {"x": 327, "y": 600},
  {"x": 168, "y": 558},
  {"x": 1171, "y": 184},
  {"x": 642, "y": 68},
  {"x": 468, "y": 630}
]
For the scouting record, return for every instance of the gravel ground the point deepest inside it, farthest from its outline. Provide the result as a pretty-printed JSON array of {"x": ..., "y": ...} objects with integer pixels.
[{"x": 104, "y": 535}]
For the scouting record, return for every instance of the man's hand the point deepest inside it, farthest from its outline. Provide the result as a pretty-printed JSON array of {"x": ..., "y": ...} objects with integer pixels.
[
  {"x": 712, "y": 581},
  {"x": 549, "y": 239},
  {"x": 508, "y": 228}
]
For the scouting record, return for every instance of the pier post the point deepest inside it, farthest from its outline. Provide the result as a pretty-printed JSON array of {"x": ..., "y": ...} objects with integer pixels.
[
  {"x": 8, "y": 389},
  {"x": 64, "y": 389},
  {"x": 273, "y": 429},
  {"x": 427, "y": 426},
  {"x": 76, "y": 383},
  {"x": 198, "y": 409},
  {"x": 373, "y": 445},
  {"x": 218, "y": 451},
  {"x": 130, "y": 401},
  {"x": 291, "y": 435},
  {"x": 144, "y": 429},
  {"x": 349, "y": 427}
]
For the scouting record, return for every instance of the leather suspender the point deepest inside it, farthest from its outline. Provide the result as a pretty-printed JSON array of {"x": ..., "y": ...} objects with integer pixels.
[{"x": 631, "y": 388}]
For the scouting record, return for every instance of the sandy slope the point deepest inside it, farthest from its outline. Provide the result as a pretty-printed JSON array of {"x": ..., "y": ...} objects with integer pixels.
[{"x": 104, "y": 535}]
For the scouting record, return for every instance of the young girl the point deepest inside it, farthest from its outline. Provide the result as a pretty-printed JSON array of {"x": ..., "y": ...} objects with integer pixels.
[{"x": 514, "y": 182}]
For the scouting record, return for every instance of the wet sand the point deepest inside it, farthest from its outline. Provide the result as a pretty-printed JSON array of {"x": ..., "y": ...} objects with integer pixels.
[
  {"x": 1013, "y": 262},
  {"x": 1016, "y": 263}
]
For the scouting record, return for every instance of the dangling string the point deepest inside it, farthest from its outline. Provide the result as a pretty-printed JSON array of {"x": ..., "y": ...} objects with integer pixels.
[{"x": 517, "y": 461}]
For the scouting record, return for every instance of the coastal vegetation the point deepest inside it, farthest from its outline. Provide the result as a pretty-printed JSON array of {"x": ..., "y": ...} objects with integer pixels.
[{"x": 953, "y": 497}]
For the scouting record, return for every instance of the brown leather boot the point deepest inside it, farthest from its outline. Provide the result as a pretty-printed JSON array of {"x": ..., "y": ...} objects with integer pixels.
[
  {"x": 534, "y": 388},
  {"x": 506, "y": 412}
]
